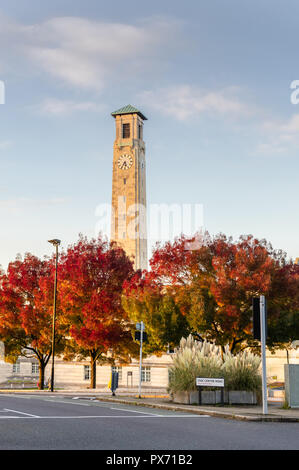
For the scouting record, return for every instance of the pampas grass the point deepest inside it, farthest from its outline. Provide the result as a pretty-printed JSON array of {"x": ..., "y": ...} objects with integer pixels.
[
  {"x": 242, "y": 371},
  {"x": 203, "y": 359}
]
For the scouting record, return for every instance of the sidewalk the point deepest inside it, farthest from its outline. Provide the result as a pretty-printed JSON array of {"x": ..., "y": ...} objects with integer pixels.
[
  {"x": 245, "y": 413},
  {"x": 159, "y": 400}
]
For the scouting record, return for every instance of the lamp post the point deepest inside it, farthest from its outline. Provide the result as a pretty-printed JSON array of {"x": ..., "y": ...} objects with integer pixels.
[
  {"x": 55, "y": 243},
  {"x": 141, "y": 327}
]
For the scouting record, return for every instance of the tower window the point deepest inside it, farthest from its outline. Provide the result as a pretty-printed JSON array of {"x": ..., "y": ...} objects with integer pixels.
[
  {"x": 139, "y": 131},
  {"x": 125, "y": 180},
  {"x": 126, "y": 131}
]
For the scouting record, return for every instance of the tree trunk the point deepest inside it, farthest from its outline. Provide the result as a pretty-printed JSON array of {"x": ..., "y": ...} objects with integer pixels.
[
  {"x": 93, "y": 369},
  {"x": 232, "y": 345},
  {"x": 41, "y": 375},
  {"x": 222, "y": 352}
]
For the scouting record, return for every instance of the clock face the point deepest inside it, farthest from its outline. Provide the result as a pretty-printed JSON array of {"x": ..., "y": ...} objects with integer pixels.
[{"x": 125, "y": 161}]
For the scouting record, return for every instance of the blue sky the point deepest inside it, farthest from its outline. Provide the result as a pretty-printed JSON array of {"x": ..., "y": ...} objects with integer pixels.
[{"x": 213, "y": 78}]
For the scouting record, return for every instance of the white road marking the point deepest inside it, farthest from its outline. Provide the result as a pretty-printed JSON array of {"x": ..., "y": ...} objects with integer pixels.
[
  {"x": 98, "y": 416},
  {"x": 11, "y": 395},
  {"x": 15, "y": 417},
  {"x": 84, "y": 398},
  {"x": 21, "y": 413},
  {"x": 66, "y": 402},
  {"x": 146, "y": 414},
  {"x": 133, "y": 411}
]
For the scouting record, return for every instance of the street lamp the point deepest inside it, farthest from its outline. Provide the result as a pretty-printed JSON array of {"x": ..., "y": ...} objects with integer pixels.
[{"x": 55, "y": 243}]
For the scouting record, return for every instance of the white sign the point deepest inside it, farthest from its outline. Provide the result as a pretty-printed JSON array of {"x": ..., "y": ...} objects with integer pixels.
[{"x": 209, "y": 382}]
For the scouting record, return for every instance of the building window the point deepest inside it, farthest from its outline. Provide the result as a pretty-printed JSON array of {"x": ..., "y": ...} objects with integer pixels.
[
  {"x": 139, "y": 131},
  {"x": 125, "y": 180},
  {"x": 126, "y": 131},
  {"x": 87, "y": 372},
  {"x": 119, "y": 370},
  {"x": 34, "y": 368},
  {"x": 146, "y": 374},
  {"x": 16, "y": 368}
]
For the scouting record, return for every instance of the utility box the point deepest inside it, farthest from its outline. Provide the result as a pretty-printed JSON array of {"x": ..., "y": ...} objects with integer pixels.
[{"x": 291, "y": 380}]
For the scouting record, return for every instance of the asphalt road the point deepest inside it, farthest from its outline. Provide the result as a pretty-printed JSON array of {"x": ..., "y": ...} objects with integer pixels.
[{"x": 29, "y": 422}]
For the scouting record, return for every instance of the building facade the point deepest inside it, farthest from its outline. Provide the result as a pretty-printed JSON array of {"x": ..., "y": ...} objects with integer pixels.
[{"x": 128, "y": 218}]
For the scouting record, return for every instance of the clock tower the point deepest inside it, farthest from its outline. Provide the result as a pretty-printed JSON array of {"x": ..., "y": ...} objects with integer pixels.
[{"x": 128, "y": 218}]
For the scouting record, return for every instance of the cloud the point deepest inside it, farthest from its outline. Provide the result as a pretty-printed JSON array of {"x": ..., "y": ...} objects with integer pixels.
[
  {"x": 84, "y": 53},
  {"x": 279, "y": 136},
  {"x": 57, "y": 107},
  {"x": 5, "y": 144},
  {"x": 271, "y": 148},
  {"x": 185, "y": 101},
  {"x": 18, "y": 205},
  {"x": 289, "y": 127}
]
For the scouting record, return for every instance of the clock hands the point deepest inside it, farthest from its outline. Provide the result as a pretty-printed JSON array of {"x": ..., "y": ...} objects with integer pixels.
[{"x": 125, "y": 162}]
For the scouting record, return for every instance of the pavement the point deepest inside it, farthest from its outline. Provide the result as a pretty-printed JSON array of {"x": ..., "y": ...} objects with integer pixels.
[
  {"x": 88, "y": 421},
  {"x": 244, "y": 413},
  {"x": 158, "y": 400}
]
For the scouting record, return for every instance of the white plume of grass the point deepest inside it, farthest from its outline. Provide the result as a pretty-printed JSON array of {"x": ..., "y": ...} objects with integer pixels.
[
  {"x": 204, "y": 359},
  {"x": 242, "y": 371}
]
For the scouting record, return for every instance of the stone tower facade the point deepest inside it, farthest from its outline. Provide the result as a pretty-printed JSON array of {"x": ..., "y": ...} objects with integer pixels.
[{"x": 128, "y": 218}]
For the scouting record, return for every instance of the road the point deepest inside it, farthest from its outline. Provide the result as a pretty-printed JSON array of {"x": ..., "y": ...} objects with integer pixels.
[{"x": 30, "y": 422}]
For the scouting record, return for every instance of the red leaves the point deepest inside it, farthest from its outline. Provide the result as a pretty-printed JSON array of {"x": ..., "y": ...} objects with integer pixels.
[
  {"x": 242, "y": 269},
  {"x": 207, "y": 282},
  {"x": 91, "y": 277},
  {"x": 26, "y": 305},
  {"x": 214, "y": 282},
  {"x": 168, "y": 262},
  {"x": 24, "y": 275}
]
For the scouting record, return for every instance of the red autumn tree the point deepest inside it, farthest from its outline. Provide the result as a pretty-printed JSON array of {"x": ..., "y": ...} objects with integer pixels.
[
  {"x": 283, "y": 324},
  {"x": 91, "y": 278},
  {"x": 26, "y": 305},
  {"x": 241, "y": 270},
  {"x": 213, "y": 280}
]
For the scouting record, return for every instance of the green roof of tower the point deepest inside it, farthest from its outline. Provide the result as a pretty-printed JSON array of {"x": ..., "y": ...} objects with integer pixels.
[{"x": 129, "y": 109}]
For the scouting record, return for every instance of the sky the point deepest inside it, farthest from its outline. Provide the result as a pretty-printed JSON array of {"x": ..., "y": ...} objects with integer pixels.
[{"x": 214, "y": 80}]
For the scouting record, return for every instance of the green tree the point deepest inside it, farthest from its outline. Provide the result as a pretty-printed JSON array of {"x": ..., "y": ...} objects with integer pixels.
[{"x": 144, "y": 300}]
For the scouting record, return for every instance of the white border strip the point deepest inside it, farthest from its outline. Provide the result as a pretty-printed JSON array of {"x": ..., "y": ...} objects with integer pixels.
[
  {"x": 21, "y": 413},
  {"x": 104, "y": 416}
]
